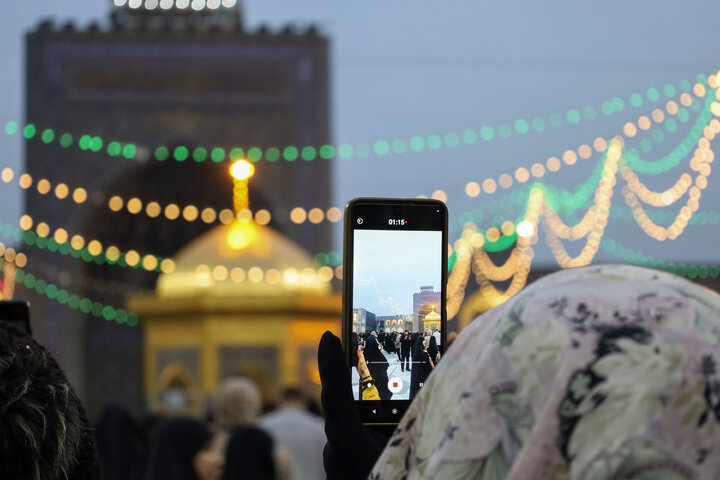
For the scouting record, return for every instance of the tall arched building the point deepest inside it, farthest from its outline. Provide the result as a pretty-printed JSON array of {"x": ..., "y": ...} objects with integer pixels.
[{"x": 150, "y": 107}]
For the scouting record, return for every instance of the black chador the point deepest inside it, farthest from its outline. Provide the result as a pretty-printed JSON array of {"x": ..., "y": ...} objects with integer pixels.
[{"x": 378, "y": 365}]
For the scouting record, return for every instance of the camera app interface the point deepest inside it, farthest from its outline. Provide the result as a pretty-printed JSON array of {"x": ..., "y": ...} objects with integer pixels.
[{"x": 396, "y": 300}]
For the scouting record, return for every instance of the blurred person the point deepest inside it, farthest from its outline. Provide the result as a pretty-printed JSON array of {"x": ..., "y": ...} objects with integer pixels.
[
  {"x": 600, "y": 372},
  {"x": 422, "y": 366},
  {"x": 250, "y": 456},
  {"x": 120, "y": 444},
  {"x": 44, "y": 431},
  {"x": 298, "y": 432},
  {"x": 432, "y": 350},
  {"x": 237, "y": 408},
  {"x": 437, "y": 336},
  {"x": 396, "y": 341},
  {"x": 181, "y": 450},
  {"x": 238, "y": 402},
  {"x": 378, "y": 364},
  {"x": 405, "y": 347}
]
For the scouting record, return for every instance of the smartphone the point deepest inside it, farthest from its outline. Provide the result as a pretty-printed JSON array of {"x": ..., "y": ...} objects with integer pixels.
[
  {"x": 17, "y": 314},
  {"x": 394, "y": 295}
]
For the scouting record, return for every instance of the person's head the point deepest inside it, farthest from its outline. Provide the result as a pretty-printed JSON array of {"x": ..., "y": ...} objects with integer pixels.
[
  {"x": 425, "y": 344},
  {"x": 238, "y": 402},
  {"x": 293, "y": 396},
  {"x": 44, "y": 432},
  {"x": 249, "y": 455},
  {"x": 373, "y": 333},
  {"x": 432, "y": 342},
  {"x": 176, "y": 449}
]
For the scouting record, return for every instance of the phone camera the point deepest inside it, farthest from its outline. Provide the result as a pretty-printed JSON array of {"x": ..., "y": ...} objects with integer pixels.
[{"x": 359, "y": 221}]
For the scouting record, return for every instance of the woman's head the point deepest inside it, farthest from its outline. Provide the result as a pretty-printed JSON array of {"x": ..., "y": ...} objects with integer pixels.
[{"x": 44, "y": 432}]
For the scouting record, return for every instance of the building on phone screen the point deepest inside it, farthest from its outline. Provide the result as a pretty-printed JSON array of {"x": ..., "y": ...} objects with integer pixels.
[{"x": 424, "y": 302}]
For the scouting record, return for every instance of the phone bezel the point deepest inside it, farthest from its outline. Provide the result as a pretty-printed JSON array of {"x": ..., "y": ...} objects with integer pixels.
[{"x": 385, "y": 407}]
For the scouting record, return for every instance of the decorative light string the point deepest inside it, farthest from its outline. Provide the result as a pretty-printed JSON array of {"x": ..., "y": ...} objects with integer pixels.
[
  {"x": 570, "y": 157},
  {"x": 630, "y": 256},
  {"x": 381, "y": 147},
  {"x": 298, "y": 215},
  {"x": 10, "y": 261},
  {"x": 567, "y": 202},
  {"x": 75, "y": 302},
  {"x": 94, "y": 251},
  {"x": 592, "y": 225}
]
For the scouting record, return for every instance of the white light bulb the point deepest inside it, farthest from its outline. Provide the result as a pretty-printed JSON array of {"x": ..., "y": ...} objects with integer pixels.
[
  {"x": 134, "y": 3},
  {"x": 525, "y": 229},
  {"x": 120, "y": 3},
  {"x": 181, "y": 4},
  {"x": 166, "y": 4},
  {"x": 151, "y": 4},
  {"x": 229, "y": 3},
  {"x": 213, "y": 4}
]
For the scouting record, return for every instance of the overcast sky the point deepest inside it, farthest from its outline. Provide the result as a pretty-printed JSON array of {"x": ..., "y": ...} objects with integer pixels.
[
  {"x": 418, "y": 67},
  {"x": 391, "y": 265}
]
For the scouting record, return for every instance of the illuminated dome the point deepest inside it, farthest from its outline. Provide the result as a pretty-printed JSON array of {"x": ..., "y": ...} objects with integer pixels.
[
  {"x": 242, "y": 259},
  {"x": 432, "y": 317}
]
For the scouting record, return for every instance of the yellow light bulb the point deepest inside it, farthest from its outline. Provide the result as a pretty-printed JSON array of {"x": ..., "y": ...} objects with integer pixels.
[{"x": 242, "y": 170}]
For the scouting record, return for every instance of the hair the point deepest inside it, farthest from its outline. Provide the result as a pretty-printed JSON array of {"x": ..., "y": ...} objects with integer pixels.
[
  {"x": 294, "y": 395},
  {"x": 44, "y": 432},
  {"x": 238, "y": 402}
]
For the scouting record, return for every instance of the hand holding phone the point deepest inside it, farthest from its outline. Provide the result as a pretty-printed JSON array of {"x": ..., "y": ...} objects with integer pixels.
[{"x": 352, "y": 448}]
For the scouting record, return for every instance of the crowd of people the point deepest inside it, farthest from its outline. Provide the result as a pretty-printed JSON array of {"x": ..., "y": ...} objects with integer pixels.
[
  {"x": 45, "y": 433},
  {"x": 236, "y": 441},
  {"x": 417, "y": 352}
]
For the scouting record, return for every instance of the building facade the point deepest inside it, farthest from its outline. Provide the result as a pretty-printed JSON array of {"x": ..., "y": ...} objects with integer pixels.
[{"x": 137, "y": 111}]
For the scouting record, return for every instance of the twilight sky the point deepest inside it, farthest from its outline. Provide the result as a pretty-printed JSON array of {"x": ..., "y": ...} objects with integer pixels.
[{"x": 419, "y": 67}]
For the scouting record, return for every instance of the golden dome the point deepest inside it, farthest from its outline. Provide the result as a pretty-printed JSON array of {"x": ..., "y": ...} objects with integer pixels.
[
  {"x": 242, "y": 259},
  {"x": 432, "y": 316}
]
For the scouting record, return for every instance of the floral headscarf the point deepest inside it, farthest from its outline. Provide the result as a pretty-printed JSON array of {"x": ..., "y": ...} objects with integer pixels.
[{"x": 595, "y": 373}]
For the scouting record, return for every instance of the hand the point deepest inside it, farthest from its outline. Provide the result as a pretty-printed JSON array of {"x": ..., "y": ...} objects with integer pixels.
[
  {"x": 362, "y": 368},
  {"x": 352, "y": 448}
]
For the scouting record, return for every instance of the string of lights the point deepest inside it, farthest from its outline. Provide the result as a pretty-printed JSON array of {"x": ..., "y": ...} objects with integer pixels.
[
  {"x": 596, "y": 218},
  {"x": 416, "y": 143},
  {"x": 75, "y": 302},
  {"x": 95, "y": 252},
  {"x": 570, "y": 157},
  {"x": 191, "y": 213},
  {"x": 598, "y": 211},
  {"x": 567, "y": 202},
  {"x": 631, "y": 256},
  {"x": 95, "y": 248}
]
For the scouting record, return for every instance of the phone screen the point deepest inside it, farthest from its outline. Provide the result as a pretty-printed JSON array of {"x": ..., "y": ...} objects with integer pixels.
[{"x": 397, "y": 297}]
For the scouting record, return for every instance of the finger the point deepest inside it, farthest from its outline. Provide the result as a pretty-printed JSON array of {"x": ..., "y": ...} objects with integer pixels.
[{"x": 337, "y": 398}]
